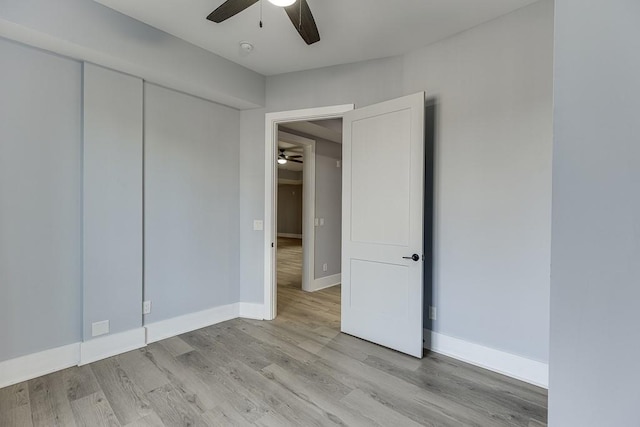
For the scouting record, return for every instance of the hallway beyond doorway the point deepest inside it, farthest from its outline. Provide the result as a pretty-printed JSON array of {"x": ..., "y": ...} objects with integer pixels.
[{"x": 321, "y": 308}]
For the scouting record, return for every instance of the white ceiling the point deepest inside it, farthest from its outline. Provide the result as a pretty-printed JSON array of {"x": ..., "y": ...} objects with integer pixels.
[
  {"x": 330, "y": 129},
  {"x": 350, "y": 30}
]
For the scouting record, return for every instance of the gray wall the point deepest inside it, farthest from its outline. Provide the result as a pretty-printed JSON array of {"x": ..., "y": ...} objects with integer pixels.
[
  {"x": 191, "y": 203},
  {"x": 112, "y": 200},
  {"x": 362, "y": 83},
  {"x": 595, "y": 288},
  {"x": 328, "y": 241},
  {"x": 493, "y": 170},
  {"x": 251, "y": 205},
  {"x": 492, "y": 222},
  {"x": 290, "y": 209},
  {"x": 86, "y": 30},
  {"x": 40, "y": 201},
  {"x": 291, "y": 175}
]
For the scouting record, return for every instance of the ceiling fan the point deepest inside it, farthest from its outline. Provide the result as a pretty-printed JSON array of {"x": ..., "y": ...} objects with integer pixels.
[
  {"x": 283, "y": 158},
  {"x": 298, "y": 11}
]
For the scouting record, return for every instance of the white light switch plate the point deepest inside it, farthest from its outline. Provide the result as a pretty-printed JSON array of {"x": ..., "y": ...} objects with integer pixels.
[{"x": 258, "y": 225}]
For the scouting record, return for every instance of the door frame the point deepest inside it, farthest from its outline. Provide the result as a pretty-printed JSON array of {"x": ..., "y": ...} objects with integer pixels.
[{"x": 271, "y": 187}]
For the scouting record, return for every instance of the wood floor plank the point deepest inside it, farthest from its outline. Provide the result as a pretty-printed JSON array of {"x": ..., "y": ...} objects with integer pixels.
[
  {"x": 361, "y": 350},
  {"x": 176, "y": 346},
  {"x": 378, "y": 414},
  {"x": 17, "y": 416},
  {"x": 50, "y": 406},
  {"x": 127, "y": 400},
  {"x": 250, "y": 386},
  {"x": 421, "y": 405},
  {"x": 285, "y": 402},
  {"x": 199, "y": 394},
  {"x": 14, "y": 396},
  {"x": 225, "y": 415},
  {"x": 246, "y": 403},
  {"x": 173, "y": 409},
  {"x": 142, "y": 370},
  {"x": 94, "y": 410},
  {"x": 503, "y": 411},
  {"x": 330, "y": 408},
  {"x": 289, "y": 415},
  {"x": 229, "y": 341},
  {"x": 437, "y": 364},
  {"x": 305, "y": 369},
  {"x": 80, "y": 382},
  {"x": 151, "y": 420},
  {"x": 284, "y": 346}
]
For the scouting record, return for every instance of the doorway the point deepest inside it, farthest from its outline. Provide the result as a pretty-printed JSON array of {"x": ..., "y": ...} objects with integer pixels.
[
  {"x": 274, "y": 122},
  {"x": 382, "y": 218},
  {"x": 309, "y": 219}
]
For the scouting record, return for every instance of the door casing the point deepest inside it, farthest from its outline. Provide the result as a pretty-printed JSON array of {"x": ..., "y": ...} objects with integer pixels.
[{"x": 270, "y": 191}]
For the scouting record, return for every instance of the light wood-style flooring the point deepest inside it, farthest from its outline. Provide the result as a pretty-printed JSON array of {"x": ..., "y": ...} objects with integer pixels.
[{"x": 297, "y": 370}]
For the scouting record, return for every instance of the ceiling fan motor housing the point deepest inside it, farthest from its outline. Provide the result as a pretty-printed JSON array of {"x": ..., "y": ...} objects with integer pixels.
[{"x": 298, "y": 11}]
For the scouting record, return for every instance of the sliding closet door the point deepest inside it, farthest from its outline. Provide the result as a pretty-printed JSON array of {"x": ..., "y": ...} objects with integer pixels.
[
  {"x": 191, "y": 204},
  {"x": 40, "y": 200},
  {"x": 112, "y": 199}
]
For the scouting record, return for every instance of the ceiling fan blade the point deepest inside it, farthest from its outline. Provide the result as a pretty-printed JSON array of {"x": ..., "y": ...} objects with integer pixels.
[
  {"x": 303, "y": 21},
  {"x": 229, "y": 8},
  {"x": 295, "y": 161},
  {"x": 293, "y": 157}
]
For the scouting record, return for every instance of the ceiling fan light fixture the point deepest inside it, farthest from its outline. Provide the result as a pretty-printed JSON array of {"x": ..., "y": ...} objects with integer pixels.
[
  {"x": 282, "y": 160},
  {"x": 282, "y": 3}
]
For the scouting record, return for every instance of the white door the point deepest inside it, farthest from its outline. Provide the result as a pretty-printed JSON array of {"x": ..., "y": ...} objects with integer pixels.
[{"x": 382, "y": 228}]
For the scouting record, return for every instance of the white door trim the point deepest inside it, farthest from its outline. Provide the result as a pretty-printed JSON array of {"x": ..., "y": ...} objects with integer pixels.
[{"x": 270, "y": 190}]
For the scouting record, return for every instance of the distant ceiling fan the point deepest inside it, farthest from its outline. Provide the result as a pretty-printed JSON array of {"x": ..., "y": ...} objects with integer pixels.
[
  {"x": 298, "y": 11},
  {"x": 283, "y": 158}
]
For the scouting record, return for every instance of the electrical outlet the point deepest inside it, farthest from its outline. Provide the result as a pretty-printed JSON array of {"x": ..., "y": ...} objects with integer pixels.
[
  {"x": 146, "y": 307},
  {"x": 99, "y": 328},
  {"x": 325, "y": 267},
  {"x": 433, "y": 313},
  {"x": 258, "y": 224},
  {"x": 321, "y": 222},
  {"x": 338, "y": 163}
]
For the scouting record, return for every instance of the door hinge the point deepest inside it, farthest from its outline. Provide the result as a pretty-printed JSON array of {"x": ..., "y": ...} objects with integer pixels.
[{"x": 272, "y": 244}]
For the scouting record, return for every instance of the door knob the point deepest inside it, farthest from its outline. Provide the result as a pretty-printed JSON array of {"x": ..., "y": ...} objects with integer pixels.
[{"x": 414, "y": 257}]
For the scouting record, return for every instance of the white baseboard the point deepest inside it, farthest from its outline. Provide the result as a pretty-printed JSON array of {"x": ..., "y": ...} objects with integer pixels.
[
  {"x": 251, "y": 311},
  {"x": 291, "y": 236},
  {"x": 34, "y": 365},
  {"x": 521, "y": 368},
  {"x": 190, "y": 322},
  {"x": 111, "y": 345},
  {"x": 325, "y": 282}
]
